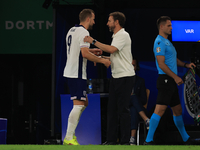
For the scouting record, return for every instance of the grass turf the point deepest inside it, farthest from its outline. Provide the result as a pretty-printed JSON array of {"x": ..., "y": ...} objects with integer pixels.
[{"x": 99, "y": 147}]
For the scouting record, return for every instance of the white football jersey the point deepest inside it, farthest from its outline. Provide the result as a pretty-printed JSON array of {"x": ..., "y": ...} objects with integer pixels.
[{"x": 76, "y": 64}]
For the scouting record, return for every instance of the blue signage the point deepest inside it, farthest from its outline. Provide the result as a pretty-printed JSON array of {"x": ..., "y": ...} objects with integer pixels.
[{"x": 185, "y": 31}]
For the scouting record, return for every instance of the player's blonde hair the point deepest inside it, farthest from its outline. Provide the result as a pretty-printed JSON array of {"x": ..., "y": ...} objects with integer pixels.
[{"x": 84, "y": 14}]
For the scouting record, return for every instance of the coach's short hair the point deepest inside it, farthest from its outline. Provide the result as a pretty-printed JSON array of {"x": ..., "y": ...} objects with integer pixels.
[
  {"x": 119, "y": 16},
  {"x": 162, "y": 19},
  {"x": 84, "y": 14}
]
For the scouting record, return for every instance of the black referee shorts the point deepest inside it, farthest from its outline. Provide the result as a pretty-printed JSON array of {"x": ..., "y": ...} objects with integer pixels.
[{"x": 167, "y": 91}]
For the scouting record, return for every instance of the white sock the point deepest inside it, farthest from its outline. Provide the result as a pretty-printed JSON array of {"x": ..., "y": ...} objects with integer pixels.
[
  {"x": 73, "y": 120},
  {"x": 79, "y": 117}
]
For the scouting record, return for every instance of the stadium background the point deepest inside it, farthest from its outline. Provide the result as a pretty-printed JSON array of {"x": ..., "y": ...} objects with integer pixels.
[{"x": 32, "y": 56}]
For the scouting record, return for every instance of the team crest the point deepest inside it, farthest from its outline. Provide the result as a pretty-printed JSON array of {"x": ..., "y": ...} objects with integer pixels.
[{"x": 158, "y": 49}]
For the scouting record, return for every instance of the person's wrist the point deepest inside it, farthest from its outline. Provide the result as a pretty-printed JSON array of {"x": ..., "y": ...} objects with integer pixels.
[
  {"x": 94, "y": 41},
  {"x": 185, "y": 65}
]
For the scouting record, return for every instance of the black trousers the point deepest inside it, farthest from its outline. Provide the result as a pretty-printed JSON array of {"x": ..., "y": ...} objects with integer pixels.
[
  {"x": 119, "y": 109},
  {"x": 135, "y": 108}
]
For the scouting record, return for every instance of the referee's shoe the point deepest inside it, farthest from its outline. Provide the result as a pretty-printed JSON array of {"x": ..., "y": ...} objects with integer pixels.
[
  {"x": 149, "y": 143},
  {"x": 192, "y": 141}
]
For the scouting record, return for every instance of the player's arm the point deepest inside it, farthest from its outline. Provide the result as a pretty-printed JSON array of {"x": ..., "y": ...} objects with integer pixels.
[
  {"x": 165, "y": 68},
  {"x": 183, "y": 64},
  {"x": 105, "y": 57},
  {"x": 90, "y": 56},
  {"x": 96, "y": 51},
  {"x": 104, "y": 47}
]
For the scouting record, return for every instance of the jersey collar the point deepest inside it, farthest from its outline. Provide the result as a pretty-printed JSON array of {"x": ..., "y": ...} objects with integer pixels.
[{"x": 78, "y": 25}]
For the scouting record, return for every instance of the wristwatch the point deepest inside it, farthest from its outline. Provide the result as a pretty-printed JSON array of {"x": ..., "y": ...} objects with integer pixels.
[{"x": 94, "y": 41}]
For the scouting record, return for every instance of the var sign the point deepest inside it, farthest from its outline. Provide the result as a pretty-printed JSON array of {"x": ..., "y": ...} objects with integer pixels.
[{"x": 189, "y": 30}]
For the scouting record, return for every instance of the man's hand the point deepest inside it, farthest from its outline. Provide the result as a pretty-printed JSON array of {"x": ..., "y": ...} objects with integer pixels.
[
  {"x": 106, "y": 62},
  {"x": 178, "y": 80},
  {"x": 191, "y": 65},
  {"x": 88, "y": 39},
  {"x": 96, "y": 51}
]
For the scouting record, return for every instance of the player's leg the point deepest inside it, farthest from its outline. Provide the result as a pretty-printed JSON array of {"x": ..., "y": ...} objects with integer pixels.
[
  {"x": 177, "y": 114},
  {"x": 178, "y": 120},
  {"x": 82, "y": 103},
  {"x": 83, "y": 108},
  {"x": 154, "y": 121},
  {"x": 163, "y": 100},
  {"x": 74, "y": 117},
  {"x": 78, "y": 95}
]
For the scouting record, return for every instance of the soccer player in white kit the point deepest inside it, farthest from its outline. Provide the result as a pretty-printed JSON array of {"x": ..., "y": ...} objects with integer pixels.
[{"x": 75, "y": 70}]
